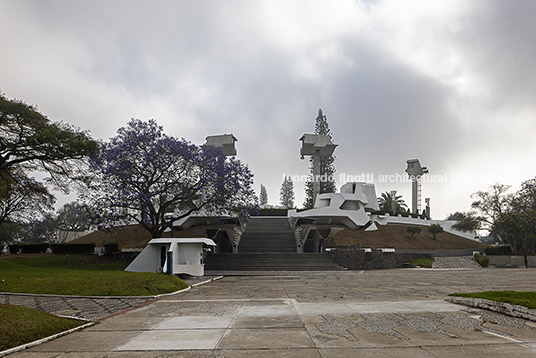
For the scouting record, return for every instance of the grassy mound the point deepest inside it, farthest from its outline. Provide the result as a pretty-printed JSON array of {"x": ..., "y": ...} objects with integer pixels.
[
  {"x": 81, "y": 275},
  {"x": 397, "y": 237},
  {"x": 134, "y": 236},
  {"x": 21, "y": 325}
]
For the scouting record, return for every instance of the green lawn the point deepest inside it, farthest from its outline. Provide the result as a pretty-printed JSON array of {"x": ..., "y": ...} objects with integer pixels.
[
  {"x": 81, "y": 275},
  {"x": 21, "y": 325},
  {"x": 526, "y": 299},
  {"x": 423, "y": 262}
]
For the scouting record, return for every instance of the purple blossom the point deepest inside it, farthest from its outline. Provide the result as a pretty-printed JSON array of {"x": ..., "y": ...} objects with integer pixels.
[{"x": 143, "y": 174}]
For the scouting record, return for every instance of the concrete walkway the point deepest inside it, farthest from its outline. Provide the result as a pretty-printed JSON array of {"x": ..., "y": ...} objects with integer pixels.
[{"x": 384, "y": 313}]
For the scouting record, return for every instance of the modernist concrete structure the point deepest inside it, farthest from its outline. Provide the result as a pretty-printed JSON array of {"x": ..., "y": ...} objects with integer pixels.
[
  {"x": 225, "y": 141},
  {"x": 350, "y": 207},
  {"x": 316, "y": 146},
  {"x": 357, "y": 206},
  {"x": 173, "y": 256},
  {"x": 415, "y": 172}
]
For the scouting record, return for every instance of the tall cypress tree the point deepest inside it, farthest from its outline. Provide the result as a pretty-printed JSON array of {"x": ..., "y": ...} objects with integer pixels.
[
  {"x": 286, "y": 194},
  {"x": 327, "y": 166},
  {"x": 263, "y": 200}
]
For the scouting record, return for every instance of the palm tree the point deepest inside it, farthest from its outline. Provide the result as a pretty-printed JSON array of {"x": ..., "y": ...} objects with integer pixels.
[{"x": 385, "y": 203}]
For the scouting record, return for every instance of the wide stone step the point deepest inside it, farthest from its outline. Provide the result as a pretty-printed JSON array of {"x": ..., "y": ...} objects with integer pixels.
[
  {"x": 267, "y": 224},
  {"x": 267, "y": 241},
  {"x": 270, "y": 262}
]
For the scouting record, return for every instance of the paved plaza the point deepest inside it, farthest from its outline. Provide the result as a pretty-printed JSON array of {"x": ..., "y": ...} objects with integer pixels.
[{"x": 383, "y": 313}]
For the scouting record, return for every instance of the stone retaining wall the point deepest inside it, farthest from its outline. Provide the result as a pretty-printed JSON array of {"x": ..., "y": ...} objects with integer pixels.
[
  {"x": 355, "y": 258},
  {"x": 501, "y": 307},
  {"x": 511, "y": 261}
]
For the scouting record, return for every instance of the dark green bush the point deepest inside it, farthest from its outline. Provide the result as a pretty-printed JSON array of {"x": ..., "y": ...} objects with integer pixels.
[
  {"x": 111, "y": 248},
  {"x": 65, "y": 249},
  {"x": 28, "y": 248},
  {"x": 413, "y": 230},
  {"x": 498, "y": 250},
  {"x": 482, "y": 260}
]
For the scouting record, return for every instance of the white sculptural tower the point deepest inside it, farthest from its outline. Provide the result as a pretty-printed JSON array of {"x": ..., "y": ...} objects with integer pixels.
[
  {"x": 415, "y": 172},
  {"x": 316, "y": 146}
]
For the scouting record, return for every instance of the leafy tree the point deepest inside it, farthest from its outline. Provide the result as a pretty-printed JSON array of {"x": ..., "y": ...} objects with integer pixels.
[
  {"x": 27, "y": 201},
  {"x": 385, "y": 202},
  {"x": 74, "y": 216},
  {"x": 466, "y": 222},
  {"x": 525, "y": 198},
  {"x": 517, "y": 224},
  {"x": 486, "y": 208},
  {"x": 143, "y": 176},
  {"x": 263, "y": 197},
  {"x": 29, "y": 141},
  {"x": 512, "y": 217},
  {"x": 286, "y": 194},
  {"x": 490, "y": 204},
  {"x": 42, "y": 230},
  {"x": 10, "y": 233},
  {"x": 435, "y": 229},
  {"x": 327, "y": 165},
  {"x": 518, "y": 227},
  {"x": 413, "y": 230},
  {"x": 458, "y": 215}
]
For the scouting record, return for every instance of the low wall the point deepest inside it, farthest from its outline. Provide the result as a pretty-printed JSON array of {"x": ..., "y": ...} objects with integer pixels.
[
  {"x": 354, "y": 258},
  {"x": 501, "y": 307},
  {"x": 511, "y": 261},
  {"x": 444, "y": 253}
]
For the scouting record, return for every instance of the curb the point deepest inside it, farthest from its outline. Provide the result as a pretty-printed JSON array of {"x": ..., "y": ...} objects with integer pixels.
[
  {"x": 43, "y": 340},
  {"x": 500, "y": 307},
  {"x": 57, "y": 335}
]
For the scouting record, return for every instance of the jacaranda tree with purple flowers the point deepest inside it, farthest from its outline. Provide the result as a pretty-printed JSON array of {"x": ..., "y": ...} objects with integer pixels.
[{"x": 143, "y": 175}]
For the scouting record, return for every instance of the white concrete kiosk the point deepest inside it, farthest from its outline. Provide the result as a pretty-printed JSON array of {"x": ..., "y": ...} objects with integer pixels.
[{"x": 172, "y": 255}]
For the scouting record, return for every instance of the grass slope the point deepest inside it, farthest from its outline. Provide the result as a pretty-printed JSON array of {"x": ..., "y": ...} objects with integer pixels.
[
  {"x": 21, "y": 325},
  {"x": 386, "y": 236},
  {"x": 134, "y": 236},
  {"x": 81, "y": 275},
  {"x": 396, "y": 236}
]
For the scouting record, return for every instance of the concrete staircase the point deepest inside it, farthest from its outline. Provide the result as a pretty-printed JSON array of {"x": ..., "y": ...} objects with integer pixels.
[
  {"x": 455, "y": 262},
  {"x": 267, "y": 234},
  {"x": 268, "y": 244}
]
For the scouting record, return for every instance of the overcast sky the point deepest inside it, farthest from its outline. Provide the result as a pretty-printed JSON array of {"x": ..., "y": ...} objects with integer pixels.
[{"x": 452, "y": 83}]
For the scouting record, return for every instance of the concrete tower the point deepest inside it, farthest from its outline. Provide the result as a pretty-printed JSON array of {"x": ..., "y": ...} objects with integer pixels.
[{"x": 415, "y": 172}]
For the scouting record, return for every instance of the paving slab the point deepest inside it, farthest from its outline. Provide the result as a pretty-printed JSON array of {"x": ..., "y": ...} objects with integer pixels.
[{"x": 388, "y": 313}]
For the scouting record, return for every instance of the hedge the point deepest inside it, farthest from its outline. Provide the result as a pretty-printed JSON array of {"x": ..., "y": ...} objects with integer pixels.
[
  {"x": 62, "y": 249},
  {"x": 498, "y": 250},
  {"x": 111, "y": 248},
  {"x": 27, "y": 248}
]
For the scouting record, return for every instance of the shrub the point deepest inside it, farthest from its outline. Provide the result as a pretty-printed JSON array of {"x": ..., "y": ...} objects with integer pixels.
[
  {"x": 498, "y": 250},
  {"x": 413, "y": 230},
  {"x": 64, "y": 249},
  {"x": 482, "y": 260},
  {"x": 435, "y": 229},
  {"x": 27, "y": 248},
  {"x": 111, "y": 248}
]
